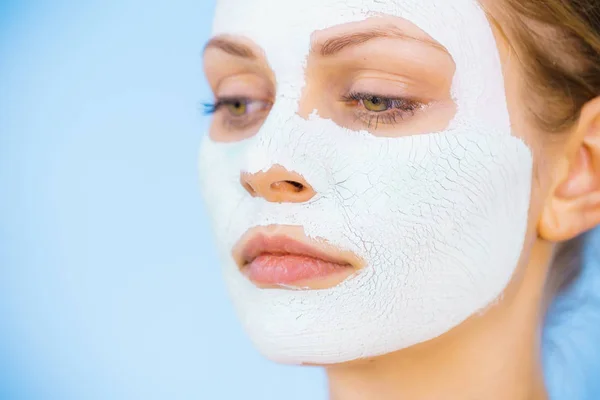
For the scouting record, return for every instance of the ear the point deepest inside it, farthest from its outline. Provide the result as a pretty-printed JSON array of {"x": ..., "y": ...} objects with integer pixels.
[{"x": 573, "y": 206}]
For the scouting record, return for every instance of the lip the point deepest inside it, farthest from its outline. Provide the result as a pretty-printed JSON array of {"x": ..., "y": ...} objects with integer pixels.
[{"x": 284, "y": 257}]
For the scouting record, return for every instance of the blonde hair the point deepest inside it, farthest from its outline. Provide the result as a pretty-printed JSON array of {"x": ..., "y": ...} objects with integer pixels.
[{"x": 558, "y": 45}]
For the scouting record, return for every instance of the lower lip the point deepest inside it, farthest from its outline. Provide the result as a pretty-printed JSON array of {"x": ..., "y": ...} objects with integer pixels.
[{"x": 288, "y": 270}]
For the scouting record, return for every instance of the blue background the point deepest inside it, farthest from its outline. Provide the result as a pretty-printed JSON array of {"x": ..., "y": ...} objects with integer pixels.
[{"x": 109, "y": 286}]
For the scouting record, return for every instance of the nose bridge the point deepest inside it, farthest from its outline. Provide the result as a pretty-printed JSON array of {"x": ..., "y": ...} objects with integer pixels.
[
  {"x": 280, "y": 140},
  {"x": 297, "y": 87},
  {"x": 310, "y": 96},
  {"x": 277, "y": 185},
  {"x": 306, "y": 103}
]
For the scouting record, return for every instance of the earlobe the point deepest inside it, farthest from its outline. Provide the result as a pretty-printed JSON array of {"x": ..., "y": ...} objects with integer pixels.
[{"x": 574, "y": 205}]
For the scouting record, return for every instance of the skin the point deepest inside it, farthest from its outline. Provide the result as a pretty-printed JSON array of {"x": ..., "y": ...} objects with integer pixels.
[{"x": 494, "y": 354}]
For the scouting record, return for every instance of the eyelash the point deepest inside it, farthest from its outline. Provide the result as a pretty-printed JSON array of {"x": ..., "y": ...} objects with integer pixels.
[
  {"x": 211, "y": 108},
  {"x": 396, "y": 108},
  {"x": 240, "y": 121}
]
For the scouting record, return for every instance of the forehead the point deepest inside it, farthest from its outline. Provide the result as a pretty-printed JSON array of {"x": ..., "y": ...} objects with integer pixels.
[{"x": 280, "y": 23}]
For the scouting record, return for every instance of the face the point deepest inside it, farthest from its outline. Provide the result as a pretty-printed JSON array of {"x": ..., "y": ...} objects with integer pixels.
[{"x": 367, "y": 190}]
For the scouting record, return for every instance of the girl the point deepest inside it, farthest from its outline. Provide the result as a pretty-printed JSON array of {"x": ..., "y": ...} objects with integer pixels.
[{"x": 393, "y": 184}]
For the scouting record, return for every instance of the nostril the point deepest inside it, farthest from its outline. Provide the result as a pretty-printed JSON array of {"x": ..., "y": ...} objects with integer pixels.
[
  {"x": 287, "y": 186},
  {"x": 299, "y": 187}
]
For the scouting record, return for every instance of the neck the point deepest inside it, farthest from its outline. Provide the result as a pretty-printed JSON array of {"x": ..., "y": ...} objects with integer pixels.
[{"x": 494, "y": 355}]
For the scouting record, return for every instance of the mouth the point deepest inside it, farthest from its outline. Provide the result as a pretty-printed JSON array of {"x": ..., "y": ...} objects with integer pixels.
[{"x": 290, "y": 260}]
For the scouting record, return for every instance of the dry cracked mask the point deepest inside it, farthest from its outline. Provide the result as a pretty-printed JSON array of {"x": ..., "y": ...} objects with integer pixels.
[{"x": 438, "y": 217}]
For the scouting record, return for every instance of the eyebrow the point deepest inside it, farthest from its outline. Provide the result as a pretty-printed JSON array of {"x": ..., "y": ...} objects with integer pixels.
[
  {"x": 329, "y": 47},
  {"x": 233, "y": 48},
  {"x": 337, "y": 44}
]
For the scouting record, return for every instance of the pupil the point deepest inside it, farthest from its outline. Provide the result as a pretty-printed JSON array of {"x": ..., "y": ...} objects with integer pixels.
[{"x": 376, "y": 101}]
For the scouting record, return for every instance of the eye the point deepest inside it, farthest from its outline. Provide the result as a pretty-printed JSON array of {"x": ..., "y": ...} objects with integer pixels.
[
  {"x": 237, "y": 107},
  {"x": 374, "y": 110},
  {"x": 238, "y": 113},
  {"x": 375, "y": 104}
]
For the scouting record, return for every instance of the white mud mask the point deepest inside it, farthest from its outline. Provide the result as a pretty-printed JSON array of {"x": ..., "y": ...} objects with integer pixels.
[{"x": 439, "y": 218}]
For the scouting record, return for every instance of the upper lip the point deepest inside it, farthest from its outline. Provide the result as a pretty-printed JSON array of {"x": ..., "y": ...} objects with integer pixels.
[{"x": 257, "y": 242}]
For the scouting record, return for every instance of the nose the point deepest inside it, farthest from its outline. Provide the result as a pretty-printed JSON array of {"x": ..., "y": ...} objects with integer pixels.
[{"x": 277, "y": 185}]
